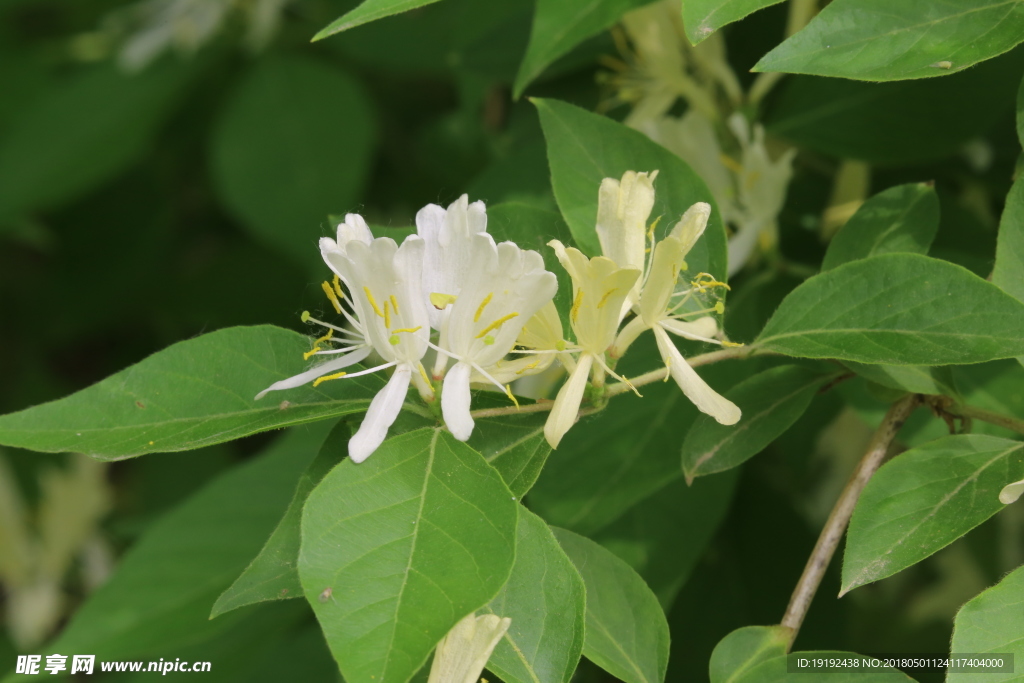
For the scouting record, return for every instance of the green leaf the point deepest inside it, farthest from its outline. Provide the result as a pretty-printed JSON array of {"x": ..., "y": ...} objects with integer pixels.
[
  {"x": 1009, "y": 269},
  {"x": 925, "y": 499},
  {"x": 916, "y": 379},
  {"x": 877, "y": 40},
  {"x": 899, "y": 122},
  {"x": 159, "y": 598},
  {"x": 704, "y": 17},
  {"x": 192, "y": 394},
  {"x": 899, "y": 309},
  {"x": 991, "y": 623},
  {"x": 82, "y": 133},
  {"x": 532, "y": 228},
  {"x": 997, "y": 386},
  {"x": 292, "y": 145},
  {"x": 771, "y": 402},
  {"x": 578, "y": 166},
  {"x": 515, "y": 446},
  {"x": 560, "y": 25},
  {"x": 626, "y": 633},
  {"x": 399, "y": 548},
  {"x": 546, "y": 599},
  {"x": 664, "y": 536},
  {"x": 904, "y": 218},
  {"x": 745, "y": 648},
  {"x": 273, "y": 575},
  {"x": 776, "y": 670},
  {"x": 369, "y": 10}
]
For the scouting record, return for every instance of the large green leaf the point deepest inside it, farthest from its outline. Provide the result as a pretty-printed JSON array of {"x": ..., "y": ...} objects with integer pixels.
[
  {"x": 585, "y": 148},
  {"x": 664, "y": 536},
  {"x": 925, "y": 499},
  {"x": 744, "y": 649},
  {"x": 273, "y": 574},
  {"x": 1009, "y": 268},
  {"x": 899, "y": 122},
  {"x": 771, "y": 402},
  {"x": 704, "y": 17},
  {"x": 85, "y": 130},
  {"x": 292, "y": 145},
  {"x": 991, "y": 623},
  {"x": 560, "y": 25},
  {"x": 917, "y": 379},
  {"x": 546, "y": 599},
  {"x": 159, "y": 598},
  {"x": 515, "y": 446},
  {"x": 899, "y": 309},
  {"x": 192, "y": 394},
  {"x": 878, "y": 40},
  {"x": 369, "y": 10},
  {"x": 398, "y": 549},
  {"x": 901, "y": 219},
  {"x": 627, "y": 634},
  {"x": 777, "y": 670}
]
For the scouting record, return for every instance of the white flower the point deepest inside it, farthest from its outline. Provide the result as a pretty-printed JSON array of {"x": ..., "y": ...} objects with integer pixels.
[
  {"x": 599, "y": 289},
  {"x": 541, "y": 338},
  {"x": 389, "y": 317},
  {"x": 461, "y": 655},
  {"x": 448, "y": 251},
  {"x": 660, "y": 314},
  {"x": 504, "y": 287},
  {"x": 623, "y": 207}
]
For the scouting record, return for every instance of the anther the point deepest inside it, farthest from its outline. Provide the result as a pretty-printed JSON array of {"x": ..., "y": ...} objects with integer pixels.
[
  {"x": 373, "y": 302},
  {"x": 337, "y": 287},
  {"x": 326, "y": 378},
  {"x": 394, "y": 304},
  {"x": 441, "y": 301},
  {"x": 575, "y": 310},
  {"x": 326, "y": 286},
  {"x": 483, "y": 304},
  {"x": 496, "y": 324}
]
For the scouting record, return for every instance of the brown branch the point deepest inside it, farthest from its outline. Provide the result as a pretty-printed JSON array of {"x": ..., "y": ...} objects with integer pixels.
[
  {"x": 1005, "y": 421},
  {"x": 835, "y": 527}
]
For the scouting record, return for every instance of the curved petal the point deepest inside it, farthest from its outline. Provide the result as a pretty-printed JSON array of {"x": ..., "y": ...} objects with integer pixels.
[
  {"x": 702, "y": 329},
  {"x": 567, "y": 403},
  {"x": 383, "y": 411},
  {"x": 696, "y": 389},
  {"x": 317, "y": 371},
  {"x": 455, "y": 400},
  {"x": 1011, "y": 492}
]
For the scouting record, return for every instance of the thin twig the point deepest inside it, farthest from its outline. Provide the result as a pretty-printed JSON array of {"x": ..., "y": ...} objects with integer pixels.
[
  {"x": 835, "y": 527},
  {"x": 1011, "y": 423}
]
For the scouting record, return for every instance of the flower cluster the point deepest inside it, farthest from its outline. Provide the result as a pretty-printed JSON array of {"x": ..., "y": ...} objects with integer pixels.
[{"x": 485, "y": 310}]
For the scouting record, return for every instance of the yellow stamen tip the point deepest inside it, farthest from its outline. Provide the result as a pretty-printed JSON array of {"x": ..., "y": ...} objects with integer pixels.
[
  {"x": 483, "y": 305},
  {"x": 372, "y": 301},
  {"x": 337, "y": 287},
  {"x": 441, "y": 301},
  {"x": 508, "y": 392},
  {"x": 326, "y": 378},
  {"x": 496, "y": 324},
  {"x": 329, "y": 291},
  {"x": 730, "y": 344},
  {"x": 308, "y": 354}
]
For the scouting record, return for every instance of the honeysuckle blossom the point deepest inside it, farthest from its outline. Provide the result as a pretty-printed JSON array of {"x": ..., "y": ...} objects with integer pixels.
[
  {"x": 600, "y": 288},
  {"x": 389, "y": 317},
  {"x": 623, "y": 207},
  {"x": 448, "y": 252},
  {"x": 503, "y": 287},
  {"x": 541, "y": 341},
  {"x": 461, "y": 655},
  {"x": 662, "y": 310}
]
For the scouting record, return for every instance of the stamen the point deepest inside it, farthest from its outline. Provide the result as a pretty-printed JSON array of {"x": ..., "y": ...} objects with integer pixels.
[
  {"x": 337, "y": 287},
  {"x": 731, "y": 344},
  {"x": 316, "y": 345},
  {"x": 407, "y": 329},
  {"x": 423, "y": 374},
  {"x": 496, "y": 324},
  {"x": 387, "y": 315},
  {"x": 508, "y": 392},
  {"x": 441, "y": 301},
  {"x": 604, "y": 299},
  {"x": 372, "y": 301},
  {"x": 326, "y": 286},
  {"x": 531, "y": 366},
  {"x": 394, "y": 304},
  {"x": 483, "y": 304},
  {"x": 575, "y": 310},
  {"x": 320, "y": 380}
]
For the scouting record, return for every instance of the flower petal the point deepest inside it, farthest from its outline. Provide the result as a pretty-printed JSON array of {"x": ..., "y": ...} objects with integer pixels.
[
  {"x": 701, "y": 329},
  {"x": 692, "y": 225},
  {"x": 567, "y": 403},
  {"x": 317, "y": 371},
  {"x": 696, "y": 389},
  {"x": 383, "y": 411},
  {"x": 1011, "y": 492},
  {"x": 455, "y": 400}
]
